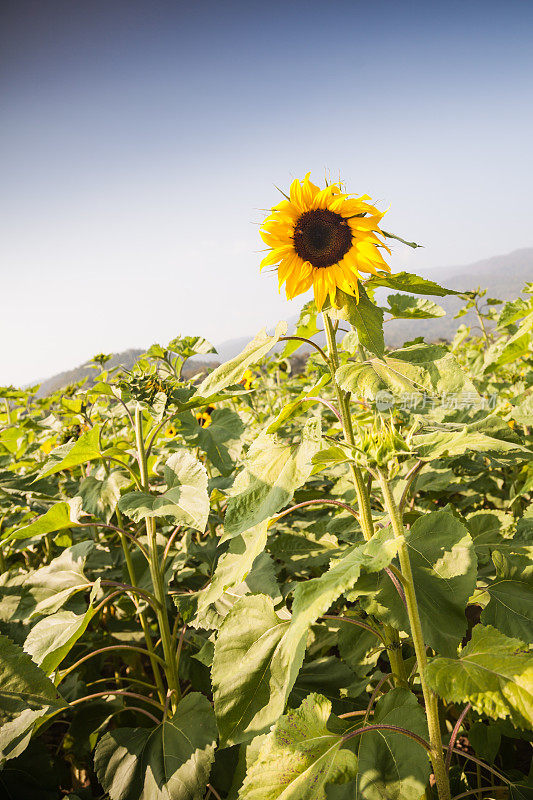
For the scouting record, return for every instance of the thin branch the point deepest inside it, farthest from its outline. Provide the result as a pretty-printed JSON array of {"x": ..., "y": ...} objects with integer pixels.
[
  {"x": 308, "y": 341},
  {"x": 173, "y": 535},
  {"x": 107, "y": 649},
  {"x": 117, "y": 692},
  {"x": 354, "y": 622},
  {"x": 326, "y": 501},
  {"x": 327, "y": 404},
  {"x": 398, "y": 586},
  {"x": 478, "y": 761},
  {"x": 455, "y": 731},
  {"x": 411, "y": 475},
  {"x": 148, "y": 596},
  {"x": 375, "y": 694},
  {"x": 140, "y": 711},
  {"x": 394, "y": 728},
  {"x": 480, "y": 789},
  {"x": 117, "y": 530},
  {"x": 213, "y": 792}
]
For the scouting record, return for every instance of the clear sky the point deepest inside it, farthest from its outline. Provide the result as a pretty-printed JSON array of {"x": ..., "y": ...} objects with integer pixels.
[{"x": 140, "y": 141}]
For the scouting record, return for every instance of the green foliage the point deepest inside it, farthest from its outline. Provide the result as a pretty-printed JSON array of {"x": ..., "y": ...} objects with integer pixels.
[
  {"x": 171, "y": 760},
  {"x": 299, "y": 757}
]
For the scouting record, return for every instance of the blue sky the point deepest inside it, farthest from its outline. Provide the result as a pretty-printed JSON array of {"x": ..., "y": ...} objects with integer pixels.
[{"x": 140, "y": 141}]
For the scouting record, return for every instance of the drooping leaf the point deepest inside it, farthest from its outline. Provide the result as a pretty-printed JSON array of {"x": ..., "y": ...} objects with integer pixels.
[
  {"x": 232, "y": 371},
  {"x": 57, "y": 518},
  {"x": 403, "y": 306},
  {"x": 220, "y": 440},
  {"x": 422, "y": 368},
  {"x": 493, "y": 672},
  {"x": 444, "y": 566},
  {"x": 253, "y": 669},
  {"x": 22, "y": 684},
  {"x": 258, "y": 655},
  {"x": 390, "y": 765},
  {"x": 172, "y": 760},
  {"x": 510, "y": 608},
  {"x": 86, "y": 448},
  {"x": 408, "y": 282},
  {"x": 365, "y": 316},
  {"x": 234, "y": 566},
  {"x": 299, "y": 757},
  {"x": 272, "y": 472},
  {"x": 15, "y": 735},
  {"x": 100, "y": 495},
  {"x": 185, "y": 500},
  {"x": 51, "y": 639}
]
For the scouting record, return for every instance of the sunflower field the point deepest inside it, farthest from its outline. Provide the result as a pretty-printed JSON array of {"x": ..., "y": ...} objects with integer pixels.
[{"x": 304, "y": 574}]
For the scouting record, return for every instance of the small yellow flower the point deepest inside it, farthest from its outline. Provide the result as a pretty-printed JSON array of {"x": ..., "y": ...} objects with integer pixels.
[
  {"x": 247, "y": 379},
  {"x": 170, "y": 432},
  {"x": 323, "y": 238},
  {"x": 204, "y": 417}
]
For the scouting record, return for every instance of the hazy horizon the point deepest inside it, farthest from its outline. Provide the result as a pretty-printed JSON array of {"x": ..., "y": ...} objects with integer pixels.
[{"x": 140, "y": 142}]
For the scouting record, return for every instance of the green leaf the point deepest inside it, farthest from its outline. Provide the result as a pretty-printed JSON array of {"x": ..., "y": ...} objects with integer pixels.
[
  {"x": 306, "y": 327},
  {"x": 407, "y": 282},
  {"x": 390, "y": 765},
  {"x": 234, "y": 566},
  {"x": 444, "y": 566},
  {"x": 101, "y": 495},
  {"x": 299, "y": 757},
  {"x": 232, "y": 371},
  {"x": 422, "y": 368},
  {"x": 365, "y": 316},
  {"x": 15, "y": 735},
  {"x": 50, "y": 641},
  {"x": 403, "y": 306},
  {"x": 493, "y": 672},
  {"x": 272, "y": 472},
  {"x": 86, "y": 448},
  {"x": 186, "y": 499},
  {"x": 485, "y": 739},
  {"x": 57, "y": 518},
  {"x": 48, "y": 588},
  {"x": 300, "y": 403},
  {"x": 510, "y": 608},
  {"x": 253, "y": 669},
  {"x": 455, "y": 443},
  {"x": 221, "y": 440},
  {"x": 172, "y": 760},
  {"x": 258, "y": 655},
  {"x": 22, "y": 684}
]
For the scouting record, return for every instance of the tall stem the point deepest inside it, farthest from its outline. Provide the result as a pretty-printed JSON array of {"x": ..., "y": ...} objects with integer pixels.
[
  {"x": 430, "y": 700},
  {"x": 156, "y": 573},
  {"x": 391, "y": 636}
]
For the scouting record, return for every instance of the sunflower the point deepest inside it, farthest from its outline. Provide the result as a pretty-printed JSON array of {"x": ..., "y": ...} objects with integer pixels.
[
  {"x": 204, "y": 417},
  {"x": 323, "y": 238},
  {"x": 247, "y": 379}
]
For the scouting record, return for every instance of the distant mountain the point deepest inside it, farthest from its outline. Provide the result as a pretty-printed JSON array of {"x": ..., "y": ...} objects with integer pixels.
[{"x": 503, "y": 276}]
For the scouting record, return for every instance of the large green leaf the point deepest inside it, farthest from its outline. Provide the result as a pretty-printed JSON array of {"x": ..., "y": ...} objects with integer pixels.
[
  {"x": 57, "y": 518},
  {"x": 421, "y": 368},
  {"x": 258, "y": 654},
  {"x": 22, "y": 684},
  {"x": 185, "y": 500},
  {"x": 444, "y": 566},
  {"x": 407, "y": 282},
  {"x": 15, "y": 735},
  {"x": 493, "y": 673},
  {"x": 364, "y": 316},
  {"x": 253, "y": 669},
  {"x": 101, "y": 494},
  {"x": 299, "y": 757},
  {"x": 221, "y": 440},
  {"x": 390, "y": 765},
  {"x": 510, "y": 608},
  {"x": 403, "y": 306},
  {"x": 172, "y": 760},
  {"x": 86, "y": 448},
  {"x": 50, "y": 641},
  {"x": 234, "y": 565},
  {"x": 232, "y": 371},
  {"x": 272, "y": 472}
]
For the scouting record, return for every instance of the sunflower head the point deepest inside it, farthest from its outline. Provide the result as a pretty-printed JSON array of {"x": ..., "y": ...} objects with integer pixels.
[
  {"x": 323, "y": 238},
  {"x": 247, "y": 379},
  {"x": 204, "y": 417}
]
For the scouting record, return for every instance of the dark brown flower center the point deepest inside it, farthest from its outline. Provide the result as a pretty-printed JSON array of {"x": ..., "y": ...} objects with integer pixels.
[{"x": 322, "y": 237}]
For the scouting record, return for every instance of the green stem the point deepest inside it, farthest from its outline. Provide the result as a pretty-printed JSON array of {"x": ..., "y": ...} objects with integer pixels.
[
  {"x": 156, "y": 573},
  {"x": 392, "y": 639},
  {"x": 430, "y": 700}
]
